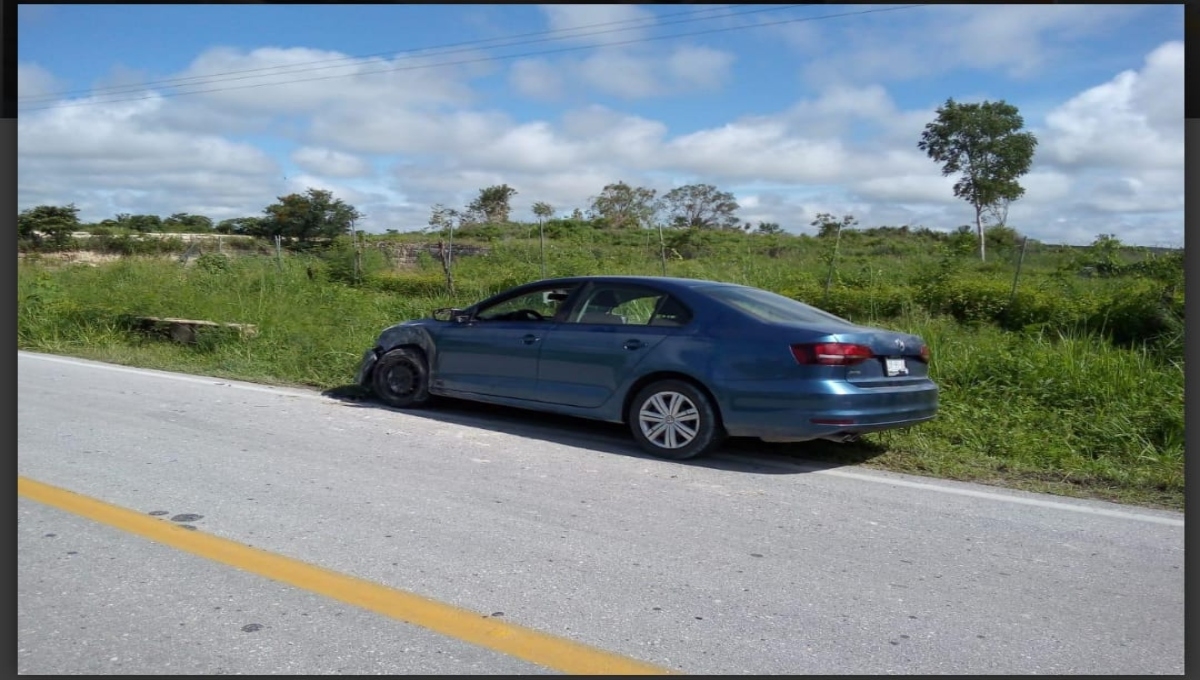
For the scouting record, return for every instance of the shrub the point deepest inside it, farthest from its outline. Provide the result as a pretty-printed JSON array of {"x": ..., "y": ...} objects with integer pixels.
[{"x": 213, "y": 263}]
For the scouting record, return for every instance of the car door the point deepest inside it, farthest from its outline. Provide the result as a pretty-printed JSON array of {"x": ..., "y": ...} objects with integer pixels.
[
  {"x": 495, "y": 353},
  {"x": 606, "y": 334}
]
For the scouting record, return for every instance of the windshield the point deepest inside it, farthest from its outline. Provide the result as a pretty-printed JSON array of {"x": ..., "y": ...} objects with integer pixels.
[{"x": 771, "y": 307}]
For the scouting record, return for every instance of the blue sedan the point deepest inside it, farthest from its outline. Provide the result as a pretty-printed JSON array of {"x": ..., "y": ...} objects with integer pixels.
[{"x": 683, "y": 362}]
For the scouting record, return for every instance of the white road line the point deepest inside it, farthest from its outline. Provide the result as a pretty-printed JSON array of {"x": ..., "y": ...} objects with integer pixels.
[
  {"x": 182, "y": 377},
  {"x": 875, "y": 479},
  {"x": 896, "y": 480},
  {"x": 1037, "y": 502}
]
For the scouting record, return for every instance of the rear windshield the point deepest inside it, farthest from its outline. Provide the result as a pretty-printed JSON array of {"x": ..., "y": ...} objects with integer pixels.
[{"x": 771, "y": 307}]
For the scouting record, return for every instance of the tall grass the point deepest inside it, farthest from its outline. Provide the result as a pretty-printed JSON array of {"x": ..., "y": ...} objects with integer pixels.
[{"x": 1066, "y": 409}]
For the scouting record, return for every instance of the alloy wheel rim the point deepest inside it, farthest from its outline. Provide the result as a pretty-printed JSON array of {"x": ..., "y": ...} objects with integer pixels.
[{"x": 669, "y": 420}]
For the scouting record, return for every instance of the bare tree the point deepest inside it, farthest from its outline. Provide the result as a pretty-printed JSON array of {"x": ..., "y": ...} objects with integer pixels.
[
  {"x": 441, "y": 221},
  {"x": 543, "y": 211}
]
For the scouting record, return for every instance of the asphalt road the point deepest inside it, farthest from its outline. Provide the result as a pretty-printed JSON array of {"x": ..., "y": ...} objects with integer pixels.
[{"x": 746, "y": 562}]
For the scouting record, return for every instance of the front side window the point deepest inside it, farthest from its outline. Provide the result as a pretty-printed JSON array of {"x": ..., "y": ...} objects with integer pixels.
[{"x": 538, "y": 305}]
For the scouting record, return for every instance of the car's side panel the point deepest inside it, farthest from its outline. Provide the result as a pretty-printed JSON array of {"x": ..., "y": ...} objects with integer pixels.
[
  {"x": 494, "y": 357},
  {"x": 584, "y": 364},
  {"x": 602, "y": 414},
  {"x": 689, "y": 355}
]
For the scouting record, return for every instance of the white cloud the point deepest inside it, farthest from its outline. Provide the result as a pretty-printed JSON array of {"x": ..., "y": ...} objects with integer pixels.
[
  {"x": 35, "y": 84},
  {"x": 1045, "y": 187},
  {"x": 599, "y": 24},
  {"x": 381, "y": 129},
  {"x": 758, "y": 149},
  {"x": 353, "y": 193},
  {"x": 700, "y": 67},
  {"x": 625, "y": 72},
  {"x": 330, "y": 163},
  {"x": 537, "y": 79},
  {"x": 126, "y": 138},
  {"x": 1134, "y": 120},
  {"x": 1015, "y": 36},
  {"x": 615, "y": 71},
  {"x": 95, "y": 155},
  {"x": 908, "y": 188},
  {"x": 902, "y": 44}
]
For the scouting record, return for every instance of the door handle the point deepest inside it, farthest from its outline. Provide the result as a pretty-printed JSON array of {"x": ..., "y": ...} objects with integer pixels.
[
  {"x": 529, "y": 339},
  {"x": 633, "y": 344}
]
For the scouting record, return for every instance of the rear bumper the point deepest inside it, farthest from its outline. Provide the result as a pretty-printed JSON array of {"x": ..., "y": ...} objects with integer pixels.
[{"x": 787, "y": 411}]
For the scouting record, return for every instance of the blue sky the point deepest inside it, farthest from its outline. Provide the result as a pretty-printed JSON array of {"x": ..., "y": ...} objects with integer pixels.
[{"x": 795, "y": 109}]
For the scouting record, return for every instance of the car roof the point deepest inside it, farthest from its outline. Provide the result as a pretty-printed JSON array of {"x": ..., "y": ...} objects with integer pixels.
[{"x": 633, "y": 278}]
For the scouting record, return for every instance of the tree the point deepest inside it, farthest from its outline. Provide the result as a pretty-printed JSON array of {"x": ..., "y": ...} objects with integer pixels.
[
  {"x": 248, "y": 226},
  {"x": 984, "y": 143},
  {"x": 183, "y": 222},
  {"x": 1105, "y": 252},
  {"x": 625, "y": 207},
  {"x": 960, "y": 240},
  {"x": 492, "y": 204},
  {"x": 144, "y": 223},
  {"x": 1001, "y": 237},
  {"x": 701, "y": 206},
  {"x": 829, "y": 226},
  {"x": 769, "y": 228},
  {"x": 303, "y": 217},
  {"x": 543, "y": 211},
  {"x": 53, "y": 222}
]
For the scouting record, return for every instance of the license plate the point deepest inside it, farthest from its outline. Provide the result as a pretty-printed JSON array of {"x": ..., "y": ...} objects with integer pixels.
[{"x": 896, "y": 367}]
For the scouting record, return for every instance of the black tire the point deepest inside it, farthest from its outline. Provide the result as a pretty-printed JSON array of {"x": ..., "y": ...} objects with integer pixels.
[
  {"x": 401, "y": 378},
  {"x": 689, "y": 422}
]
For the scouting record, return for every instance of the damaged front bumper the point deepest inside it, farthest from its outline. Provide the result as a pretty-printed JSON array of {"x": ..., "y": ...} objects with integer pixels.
[{"x": 364, "y": 367}]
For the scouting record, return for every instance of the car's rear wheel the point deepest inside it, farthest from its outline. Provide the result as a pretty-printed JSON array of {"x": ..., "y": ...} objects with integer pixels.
[
  {"x": 674, "y": 419},
  {"x": 401, "y": 378}
]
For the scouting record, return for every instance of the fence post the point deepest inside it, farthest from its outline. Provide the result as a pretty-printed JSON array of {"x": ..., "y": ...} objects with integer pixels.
[
  {"x": 662, "y": 249},
  {"x": 542, "y": 244},
  {"x": 187, "y": 252},
  {"x": 279, "y": 251},
  {"x": 356, "y": 251},
  {"x": 357, "y": 244},
  {"x": 1016, "y": 276}
]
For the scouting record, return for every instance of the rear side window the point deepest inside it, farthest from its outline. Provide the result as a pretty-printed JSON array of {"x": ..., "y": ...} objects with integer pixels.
[
  {"x": 630, "y": 305},
  {"x": 771, "y": 307}
]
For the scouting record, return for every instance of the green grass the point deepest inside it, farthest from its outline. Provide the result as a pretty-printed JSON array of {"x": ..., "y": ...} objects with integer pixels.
[{"x": 1056, "y": 407}]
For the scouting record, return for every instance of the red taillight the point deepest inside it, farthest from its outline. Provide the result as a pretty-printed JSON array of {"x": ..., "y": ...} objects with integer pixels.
[
  {"x": 925, "y": 353},
  {"x": 832, "y": 353}
]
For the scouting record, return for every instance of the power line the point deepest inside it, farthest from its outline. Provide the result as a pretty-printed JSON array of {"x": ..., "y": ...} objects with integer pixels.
[
  {"x": 440, "y": 50},
  {"x": 482, "y": 59}
]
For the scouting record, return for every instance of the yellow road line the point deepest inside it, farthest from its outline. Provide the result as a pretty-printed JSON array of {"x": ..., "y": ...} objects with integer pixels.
[{"x": 517, "y": 641}]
